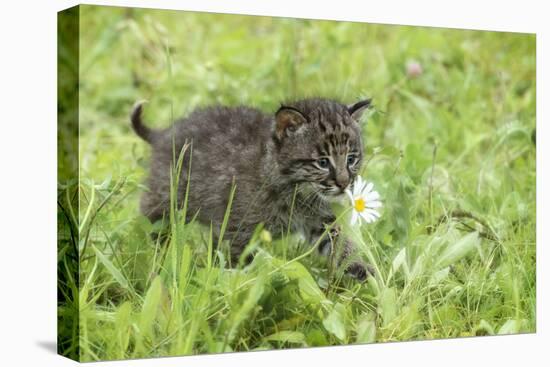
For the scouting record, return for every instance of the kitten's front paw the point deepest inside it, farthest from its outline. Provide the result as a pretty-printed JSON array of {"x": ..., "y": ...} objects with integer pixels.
[{"x": 360, "y": 271}]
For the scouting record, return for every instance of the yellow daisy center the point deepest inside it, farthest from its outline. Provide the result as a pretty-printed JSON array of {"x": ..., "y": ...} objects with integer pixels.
[{"x": 359, "y": 204}]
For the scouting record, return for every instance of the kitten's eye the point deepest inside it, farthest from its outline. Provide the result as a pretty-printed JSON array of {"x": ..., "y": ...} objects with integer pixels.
[
  {"x": 323, "y": 162},
  {"x": 352, "y": 159}
]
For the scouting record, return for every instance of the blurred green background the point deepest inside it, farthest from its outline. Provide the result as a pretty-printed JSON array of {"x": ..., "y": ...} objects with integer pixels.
[{"x": 449, "y": 145}]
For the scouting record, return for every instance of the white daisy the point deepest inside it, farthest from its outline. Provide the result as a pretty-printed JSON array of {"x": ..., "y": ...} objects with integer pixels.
[{"x": 364, "y": 201}]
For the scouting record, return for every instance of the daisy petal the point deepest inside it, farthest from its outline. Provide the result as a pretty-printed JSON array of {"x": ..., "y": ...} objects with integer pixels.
[
  {"x": 358, "y": 186},
  {"x": 373, "y": 213},
  {"x": 373, "y": 204},
  {"x": 353, "y": 217},
  {"x": 373, "y": 195},
  {"x": 350, "y": 196},
  {"x": 369, "y": 187},
  {"x": 367, "y": 217}
]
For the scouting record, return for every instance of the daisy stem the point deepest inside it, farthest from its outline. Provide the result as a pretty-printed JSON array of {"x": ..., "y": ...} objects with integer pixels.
[{"x": 373, "y": 262}]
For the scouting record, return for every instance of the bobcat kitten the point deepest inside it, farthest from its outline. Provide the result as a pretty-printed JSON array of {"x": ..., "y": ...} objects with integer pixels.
[{"x": 310, "y": 151}]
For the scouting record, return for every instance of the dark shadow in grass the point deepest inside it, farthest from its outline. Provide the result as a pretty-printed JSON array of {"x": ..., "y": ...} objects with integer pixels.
[{"x": 49, "y": 345}]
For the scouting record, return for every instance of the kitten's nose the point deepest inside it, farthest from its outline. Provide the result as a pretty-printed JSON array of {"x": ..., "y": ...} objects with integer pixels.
[
  {"x": 342, "y": 184},
  {"x": 342, "y": 179}
]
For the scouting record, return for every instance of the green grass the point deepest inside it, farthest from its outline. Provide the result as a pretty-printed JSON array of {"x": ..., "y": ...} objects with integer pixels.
[{"x": 450, "y": 152}]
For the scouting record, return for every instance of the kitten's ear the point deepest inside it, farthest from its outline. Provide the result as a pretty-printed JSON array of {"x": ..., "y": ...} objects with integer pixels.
[
  {"x": 356, "y": 110},
  {"x": 287, "y": 119}
]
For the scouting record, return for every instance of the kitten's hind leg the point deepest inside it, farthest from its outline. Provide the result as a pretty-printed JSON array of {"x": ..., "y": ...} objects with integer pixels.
[{"x": 153, "y": 206}]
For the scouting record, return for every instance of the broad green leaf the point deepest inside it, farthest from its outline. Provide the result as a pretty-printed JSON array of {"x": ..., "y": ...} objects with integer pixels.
[
  {"x": 251, "y": 300},
  {"x": 316, "y": 338},
  {"x": 387, "y": 305},
  {"x": 366, "y": 329},
  {"x": 511, "y": 327},
  {"x": 122, "y": 324},
  {"x": 399, "y": 259},
  {"x": 335, "y": 321},
  {"x": 122, "y": 316},
  {"x": 418, "y": 267},
  {"x": 309, "y": 290},
  {"x": 457, "y": 250},
  {"x": 287, "y": 336},
  {"x": 409, "y": 320}
]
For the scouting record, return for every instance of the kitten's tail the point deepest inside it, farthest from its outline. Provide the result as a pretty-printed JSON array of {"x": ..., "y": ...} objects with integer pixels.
[{"x": 143, "y": 131}]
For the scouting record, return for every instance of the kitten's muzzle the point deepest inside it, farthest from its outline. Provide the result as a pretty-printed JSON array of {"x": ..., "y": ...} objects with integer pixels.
[
  {"x": 337, "y": 190},
  {"x": 342, "y": 179},
  {"x": 343, "y": 184}
]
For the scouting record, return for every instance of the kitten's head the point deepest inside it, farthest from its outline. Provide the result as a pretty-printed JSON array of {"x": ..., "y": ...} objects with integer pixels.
[{"x": 319, "y": 144}]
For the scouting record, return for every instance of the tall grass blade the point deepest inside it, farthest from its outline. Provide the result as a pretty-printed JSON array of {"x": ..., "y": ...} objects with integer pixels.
[{"x": 113, "y": 270}]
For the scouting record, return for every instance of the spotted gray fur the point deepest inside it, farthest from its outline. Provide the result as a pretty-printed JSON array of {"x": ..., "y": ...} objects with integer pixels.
[{"x": 310, "y": 150}]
